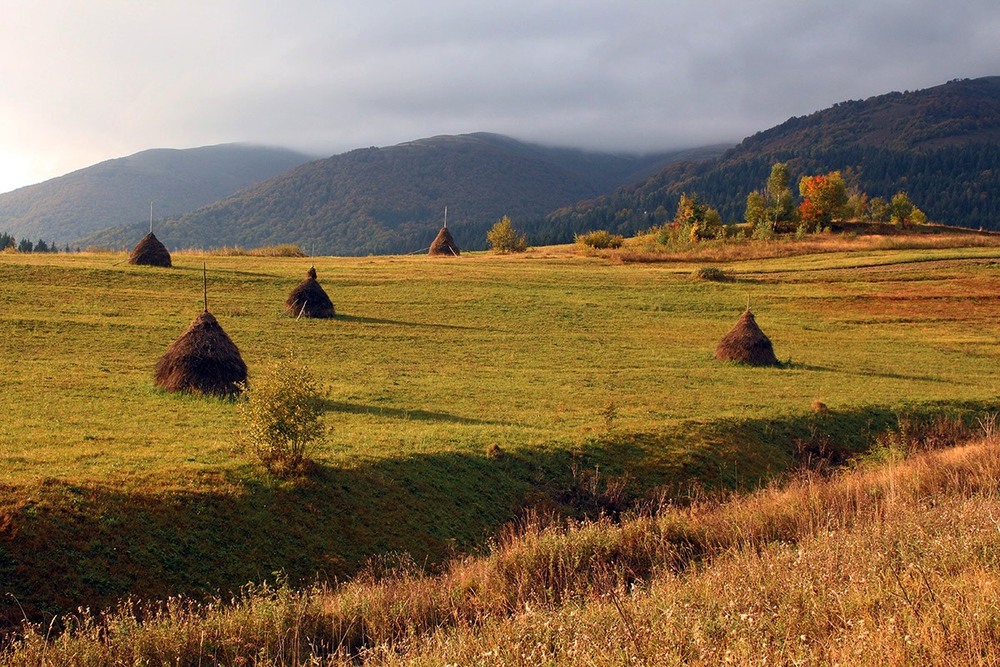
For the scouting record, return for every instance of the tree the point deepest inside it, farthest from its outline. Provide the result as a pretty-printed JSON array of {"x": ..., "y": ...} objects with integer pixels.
[
  {"x": 25, "y": 246},
  {"x": 878, "y": 210},
  {"x": 41, "y": 246},
  {"x": 756, "y": 210},
  {"x": 778, "y": 195},
  {"x": 824, "y": 199},
  {"x": 772, "y": 207},
  {"x": 503, "y": 238},
  {"x": 858, "y": 206},
  {"x": 700, "y": 220},
  {"x": 903, "y": 211}
]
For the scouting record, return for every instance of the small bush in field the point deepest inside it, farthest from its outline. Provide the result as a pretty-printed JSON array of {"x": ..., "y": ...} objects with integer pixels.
[
  {"x": 600, "y": 239},
  {"x": 709, "y": 273},
  {"x": 503, "y": 238},
  {"x": 281, "y": 417}
]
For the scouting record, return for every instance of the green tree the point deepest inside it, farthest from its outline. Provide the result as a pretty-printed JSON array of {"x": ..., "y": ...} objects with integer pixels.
[
  {"x": 761, "y": 223},
  {"x": 503, "y": 238},
  {"x": 25, "y": 246},
  {"x": 879, "y": 210},
  {"x": 901, "y": 209},
  {"x": 773, "y": 207},
  {"x": 778, "y": 194}
]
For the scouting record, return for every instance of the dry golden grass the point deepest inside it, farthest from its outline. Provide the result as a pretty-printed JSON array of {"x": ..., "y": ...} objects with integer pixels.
[
  {"x": 644, "y": 248},
  {"x": 281, "y": 250},
  {"x": 886, "y": 564}
]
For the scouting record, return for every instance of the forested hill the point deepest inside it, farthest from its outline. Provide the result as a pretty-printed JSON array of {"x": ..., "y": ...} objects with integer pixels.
[
  {"x": 119, "y": 191},
  {"x": 392, "y": 200},
  {"x": 940, "y": 145}
]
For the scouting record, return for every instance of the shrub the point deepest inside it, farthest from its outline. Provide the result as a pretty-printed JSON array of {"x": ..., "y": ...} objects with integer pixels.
[
  {"x": 281, "y": 417},
  {"x": 710, "y": 273},
  {"x": 600, "y": 239},
  {"x": 503, "y": 238}
]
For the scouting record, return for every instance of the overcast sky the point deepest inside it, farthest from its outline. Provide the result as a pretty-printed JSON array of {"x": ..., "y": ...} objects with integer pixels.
[{"x": 82, "y": 82}]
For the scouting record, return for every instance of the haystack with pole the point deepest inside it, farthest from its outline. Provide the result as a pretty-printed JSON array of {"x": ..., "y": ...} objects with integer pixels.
[
  {"x": 443, "y": 244},
  {"x": 309, "y": 299},
  {"x": 746, "y": 343},
  {"x": 203, "y": 360},
  {"x": 149, "y": 251}
]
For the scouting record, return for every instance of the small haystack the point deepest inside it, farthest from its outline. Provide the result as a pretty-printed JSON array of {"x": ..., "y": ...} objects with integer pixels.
[
  {"x": 308, "y": 299},
  {"x": 746, "y": 343},
  {"x": 444, "y": 244},
  {"x": 150, "y": 252},
  {"x": 203, "y": 360}
]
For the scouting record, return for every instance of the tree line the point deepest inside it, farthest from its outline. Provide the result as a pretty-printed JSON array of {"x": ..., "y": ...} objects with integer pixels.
[
  {"x": 953, "y": 184},
  {"x": 10, "y": 244}
]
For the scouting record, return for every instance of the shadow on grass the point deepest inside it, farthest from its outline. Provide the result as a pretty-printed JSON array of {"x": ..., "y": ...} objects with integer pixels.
[
  {"x": 377, "y": 320},
  {"x": 873, "y": 374},
  {"x": 64, "y": 545},
  {"x": 398, "y": 413}
]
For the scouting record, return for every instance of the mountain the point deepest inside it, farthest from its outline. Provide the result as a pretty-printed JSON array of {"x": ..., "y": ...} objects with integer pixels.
[
  {"x": 119, "y": 191},
  {"x": 940, "y": 145},
  {"x": 392, "y": 199}
]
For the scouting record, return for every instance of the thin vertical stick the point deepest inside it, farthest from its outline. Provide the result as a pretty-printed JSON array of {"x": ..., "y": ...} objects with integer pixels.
[
  {"x": 204, "y": 280},
  {"x": 150, "y": 217}
]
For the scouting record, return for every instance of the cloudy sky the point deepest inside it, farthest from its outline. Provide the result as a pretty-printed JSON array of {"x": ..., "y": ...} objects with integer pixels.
[{"x": 82, "y": 82}]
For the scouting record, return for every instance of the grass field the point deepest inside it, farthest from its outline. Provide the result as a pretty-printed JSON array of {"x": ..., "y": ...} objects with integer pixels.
[{"x": 564, "y": 362}]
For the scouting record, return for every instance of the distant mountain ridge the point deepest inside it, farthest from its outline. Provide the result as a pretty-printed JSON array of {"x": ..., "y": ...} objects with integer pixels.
[
  {"x": 941, "y": 145},
  {"x": 392, "y": 199},
  {"x": 119, "y": 191}
]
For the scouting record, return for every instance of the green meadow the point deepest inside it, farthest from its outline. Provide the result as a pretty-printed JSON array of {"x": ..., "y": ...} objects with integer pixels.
[{"x": 458, "y": 392}]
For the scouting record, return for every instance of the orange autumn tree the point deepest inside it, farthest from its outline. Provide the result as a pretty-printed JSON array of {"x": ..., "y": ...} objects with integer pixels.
[{"x": 824, "y": 199}]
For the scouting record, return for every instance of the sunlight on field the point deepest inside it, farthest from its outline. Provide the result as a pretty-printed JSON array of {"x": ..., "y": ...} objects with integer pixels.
[{"x": 429, "y": 355}]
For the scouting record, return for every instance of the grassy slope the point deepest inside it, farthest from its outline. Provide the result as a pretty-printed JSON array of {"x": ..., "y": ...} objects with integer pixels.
[
  {"x": 888, "y": 564},
  {"x": 111, "y": 486}
]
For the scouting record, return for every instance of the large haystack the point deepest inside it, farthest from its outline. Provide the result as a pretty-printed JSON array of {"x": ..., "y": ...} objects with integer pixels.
[
  {"x": 444, "y": 244},
  {"x": 308, "y": 299},
  {"x": 746, "y": 343},
  {"x": 203, "y": 360},
  {"x": 150, "y": 252}
]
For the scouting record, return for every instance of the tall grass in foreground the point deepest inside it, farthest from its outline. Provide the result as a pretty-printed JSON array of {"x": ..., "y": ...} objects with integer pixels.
[{"x": 894, "y": 563}]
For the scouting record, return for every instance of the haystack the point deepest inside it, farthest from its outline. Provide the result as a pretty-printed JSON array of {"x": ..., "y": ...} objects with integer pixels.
[
  {"x": 308, "y": 299},
  {"x": 150, "y": 252},
  {"x": 444, "y": 244},
  {"x": 746, "y": 343},
  {"x": 203, "y": 360}
]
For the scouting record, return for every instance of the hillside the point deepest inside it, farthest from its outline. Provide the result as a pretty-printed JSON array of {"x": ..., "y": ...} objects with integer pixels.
[
  {"x": 892, "y": 563},
  {"x": 392, "y": 200},
  {"x": 941, "y": 145},
  {"x": 458, "y": 394},
  {"x": 118, "y": 192}
]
